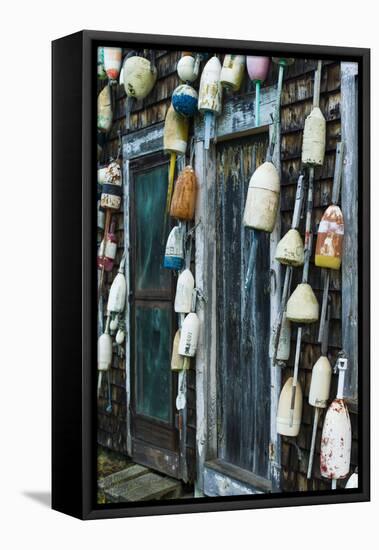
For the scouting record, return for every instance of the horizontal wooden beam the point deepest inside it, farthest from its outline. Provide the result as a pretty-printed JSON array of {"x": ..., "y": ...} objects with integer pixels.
[{"x": 224, "y": 479}]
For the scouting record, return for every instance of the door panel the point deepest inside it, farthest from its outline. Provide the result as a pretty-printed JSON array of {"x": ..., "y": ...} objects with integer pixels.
[
  {"x": 153, "y": 388},
  {"x": 243, "y": 317}
]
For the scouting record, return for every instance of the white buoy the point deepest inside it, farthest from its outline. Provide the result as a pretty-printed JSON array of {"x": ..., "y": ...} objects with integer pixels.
[
  {"x": 290, "y": 249},
  {"x": 210, "y": 95},
  {"x": 188, "y": 68},
  {"x": 120, "y": 336},
  {"x": 352, "y": 482},
  {"x": 189, "y": 335},
  {"x": 262, "y": 199},
  {"x": 314, "y": 138},
  {"x": 283, "y": 426},
  {"x": 139, "y": 77},
  {"x": 117, "y": 293},
  {"x": 104, "y": 354},
  {"x": 302, "y": 306},
  {"x": 232, "y": 71},
  {"x": 174, "y": 254},
  {"x": 184, "y": 290}
]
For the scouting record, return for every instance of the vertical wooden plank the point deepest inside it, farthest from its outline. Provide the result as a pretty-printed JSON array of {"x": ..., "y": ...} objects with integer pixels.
[
  {"x": 126, "y": 189},
  {"x": 205, "y": 257},
  {"x": 349, "y": 204},
  {"x": 275, "y": 372}
]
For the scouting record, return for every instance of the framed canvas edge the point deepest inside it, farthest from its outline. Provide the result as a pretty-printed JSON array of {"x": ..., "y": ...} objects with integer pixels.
[{"x": 85, "y": 280}]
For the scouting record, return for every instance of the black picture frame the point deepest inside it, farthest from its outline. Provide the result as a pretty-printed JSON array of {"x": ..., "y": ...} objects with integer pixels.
[{"x": 74, "y": 286}]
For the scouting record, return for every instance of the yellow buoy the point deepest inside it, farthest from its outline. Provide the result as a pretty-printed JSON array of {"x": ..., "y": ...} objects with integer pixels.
[
  {"x": 283, "y": 419},
  {"x": 232, "y": 71},
  {"x": 104, "y": 109},
  {"x": 302, "y": 306},
  {"x": 330, "y": 239},
  {"x": 177, "y": 361},
  {"x": 290, "y": 249}
]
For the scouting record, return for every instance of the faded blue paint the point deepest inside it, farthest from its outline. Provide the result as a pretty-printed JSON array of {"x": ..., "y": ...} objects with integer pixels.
[
  {"x": 184, "y": 100},
  {"x": 173, "y": 262}
]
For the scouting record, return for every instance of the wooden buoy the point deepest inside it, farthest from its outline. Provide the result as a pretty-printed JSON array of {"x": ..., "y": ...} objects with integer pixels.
[
  {"x": 177, "y": 361},
  {"x": 262, "y": 199},
  {"x": 184, "y": 100},
  {"x": 336, "y": 434},
  {"x": 112, "y": 187},
  {"x": 283, "y": 426},
  {"x": 302, "y": 306},
  {"x": 314, "y": 138},
  {"x": 257, "y": 68},
  {"x": 330, "y": 239},
  {"x": 290, "y": 249},
  {"x": 174, "y": 253},
  {"x": 184, "y": 290},
  {"x": 139, "y": 77},
  {"x": 188, "y": 68},
  {"x": 232, "y": 71},
  {"x": 184, "y": 197},
  {"x": 210, "y": 95},
  {"x": 112, "y": 63},
  {"x": 104, "y": 109}
]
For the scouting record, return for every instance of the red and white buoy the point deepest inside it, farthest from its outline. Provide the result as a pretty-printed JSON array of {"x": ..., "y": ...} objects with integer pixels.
[
  {"x": 112, "y": 63},
  {"x": 210, "y": 95},
  {"x": 336, "y": 434}
]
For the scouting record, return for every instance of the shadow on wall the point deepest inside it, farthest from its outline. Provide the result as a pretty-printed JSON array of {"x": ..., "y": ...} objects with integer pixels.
[{"x": 42, "y": 497}]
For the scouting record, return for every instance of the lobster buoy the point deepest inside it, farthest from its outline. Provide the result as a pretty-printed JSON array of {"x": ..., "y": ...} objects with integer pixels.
[
  {"x": 117, "y": 293},
  {"x": 175, "y": 133},
  {"x": 314, "y": 138},
  {"x": 336, "y": 442},
  {"x": 101, "y": 74},
  {"x": 184, "y": 197},
  {"x": 189, "y": 335},
  {"x": 262, "y": 199},
  {"x": 104, "y": 352},
  {"x": 330, "y": 239},
  {"x": 210, "y": 95},
  {"x": 104, "y": 110},
  {"x": 257, "y": 68},
  {"x": 120, "y": 336},
  {"x": 112, "y": 63},
  {"x": 184, "y": 100},
  {"x": 101, "y": 175},
  {"x": 320, "y": 383},
  {"x": 112, "y": 187},
  {"x": 107, "y": 250},
  {"x": 290, "y": 249},
  {"x": 188, "y": 68},
  {"x": 184, "y": 290},
  {"x": 177, "y": 360},
  {"x": 352, "y": 482},
  {"x": 283, "y": 419},
  {"x": 232, "y": 71},
  {"x": 174, "y": 254},
  {"x": 139, "y": 77},
  {"x": 113, "y": 324},
  {"x": 302, "y": 306},
  {"x": 284, "y": 345}
]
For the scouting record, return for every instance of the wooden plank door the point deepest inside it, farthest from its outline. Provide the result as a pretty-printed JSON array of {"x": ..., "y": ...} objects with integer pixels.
[
  {"x": 243, "y": 322},
  {"x": 153, "y": 391}
]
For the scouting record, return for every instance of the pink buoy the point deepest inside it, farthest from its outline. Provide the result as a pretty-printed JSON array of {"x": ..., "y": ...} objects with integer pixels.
[{"x": 257, "y": 68}]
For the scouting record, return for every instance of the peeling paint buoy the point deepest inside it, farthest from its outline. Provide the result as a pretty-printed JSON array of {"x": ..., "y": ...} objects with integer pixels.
[
  {"x": 232, "y": 71},
  {"x": 330, "y": 239},
  {"x": 283, "y": 416},
  {"x": 262, "y": 199},
  {"x": 290, "y": 249},
  {"x": 111, "y": 192},
  {"x": 210, "y": 95},
  {"x": 175, "y": 133},
  {"x": 302, "y": 306}
]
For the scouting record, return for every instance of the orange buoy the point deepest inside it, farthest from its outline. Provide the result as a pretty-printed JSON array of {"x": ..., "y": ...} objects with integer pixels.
[
  {"x": 330, "y": 238},
  {"x": 184, "y": 197}
]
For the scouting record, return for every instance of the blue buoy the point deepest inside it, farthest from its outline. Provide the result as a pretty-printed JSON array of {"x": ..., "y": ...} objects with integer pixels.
[{"x": 184, "y": 100}]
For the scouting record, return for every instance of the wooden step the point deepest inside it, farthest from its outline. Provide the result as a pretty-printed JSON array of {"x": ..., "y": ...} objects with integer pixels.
[
  {"x": 147, "y": 486},
  {"x": 131, "y": 472}
]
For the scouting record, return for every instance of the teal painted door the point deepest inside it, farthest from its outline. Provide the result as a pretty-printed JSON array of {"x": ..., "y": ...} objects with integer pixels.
[{"x": 154, "y": 436}]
